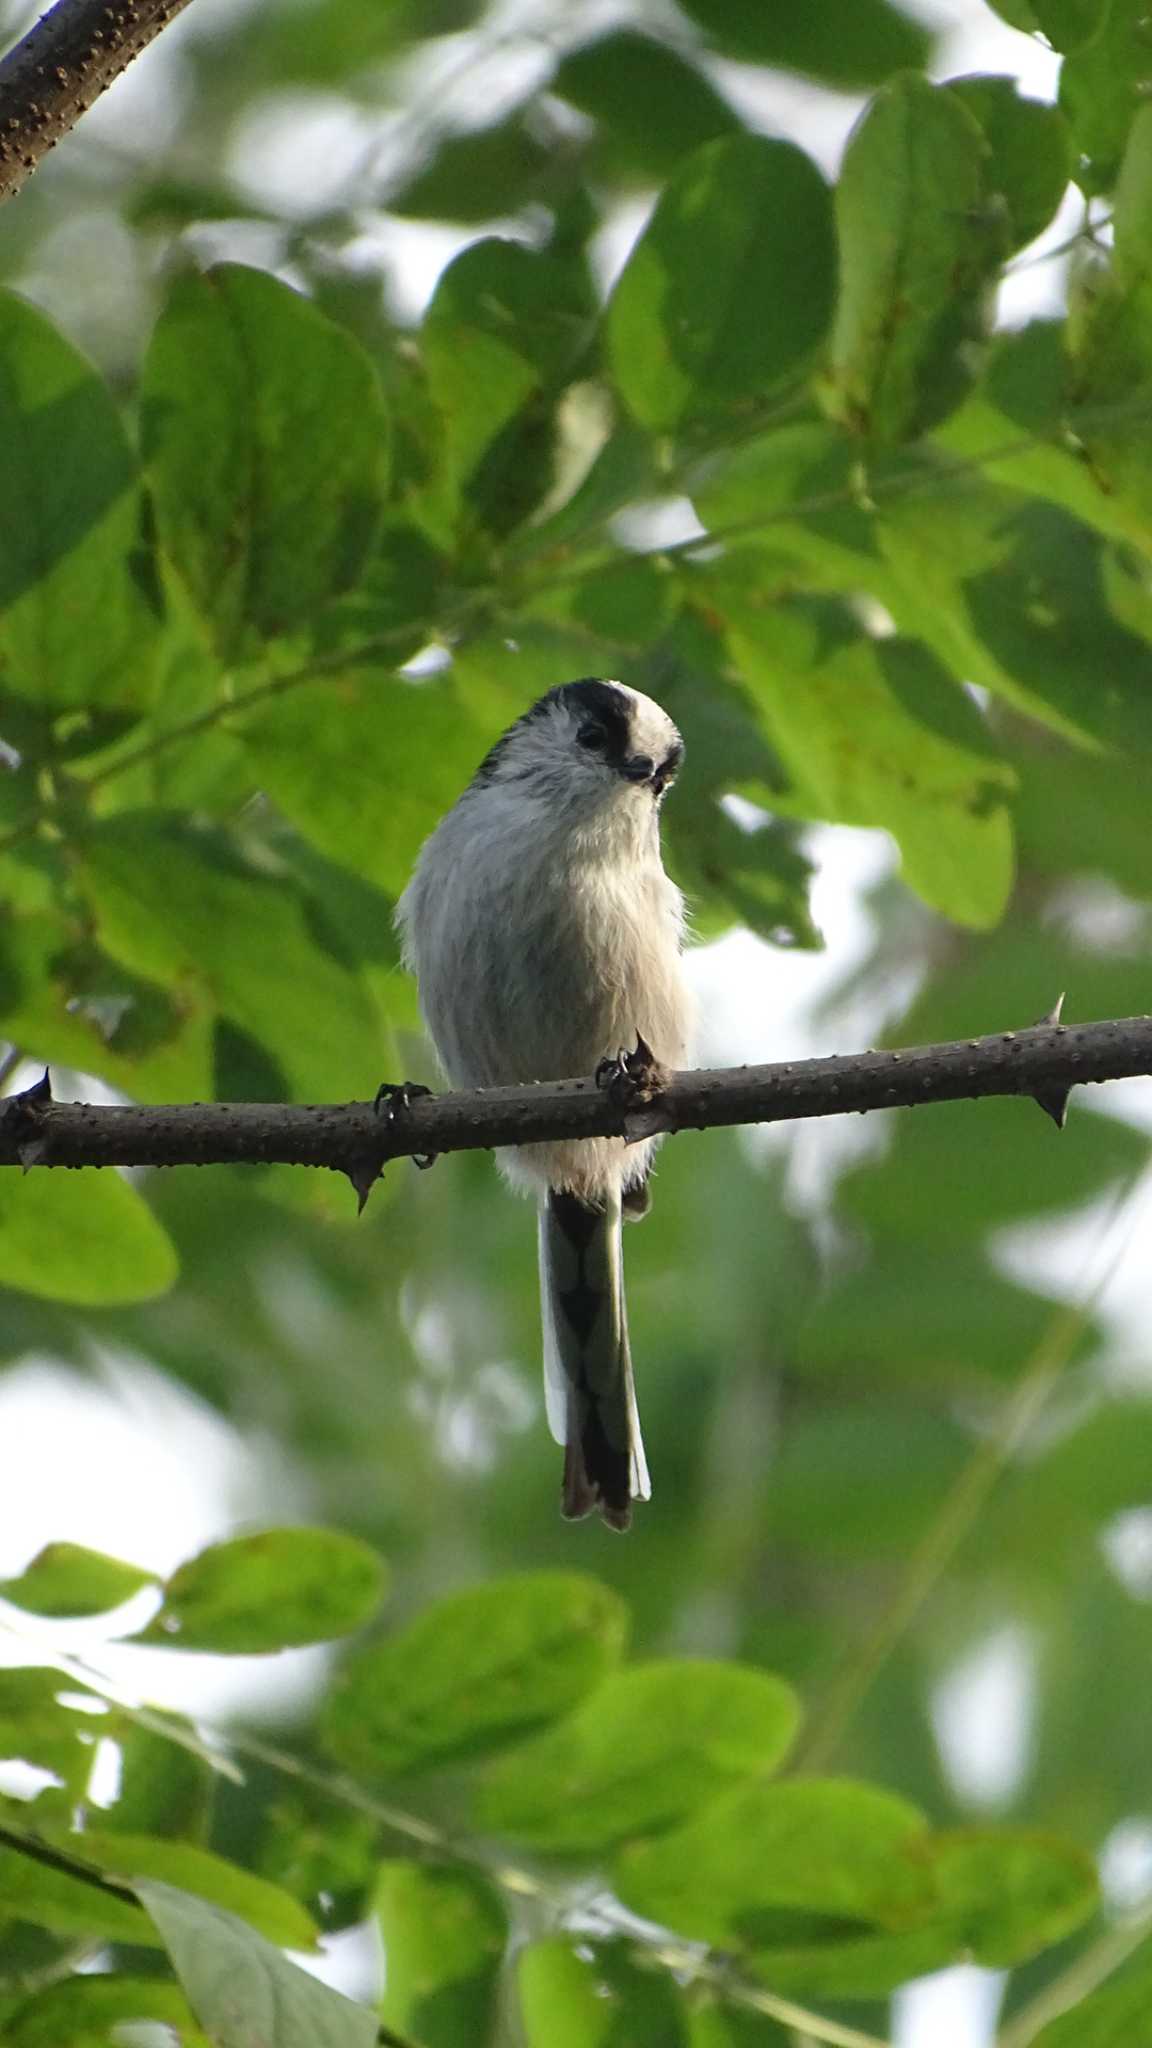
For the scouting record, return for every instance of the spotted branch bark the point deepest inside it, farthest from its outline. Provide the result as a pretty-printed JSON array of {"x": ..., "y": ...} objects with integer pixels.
[
  {"x": 356, "y": 1139},
  {"x": 55, "y": 72}
]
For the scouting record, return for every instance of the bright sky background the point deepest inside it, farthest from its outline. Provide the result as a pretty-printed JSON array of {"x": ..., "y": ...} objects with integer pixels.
[{"x": 129, "y": 1464}]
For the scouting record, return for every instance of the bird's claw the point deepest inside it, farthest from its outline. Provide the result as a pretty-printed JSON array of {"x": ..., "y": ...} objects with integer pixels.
[
  {"x": 632, "y": 1078},
  {"x": 391, "y": 1100}
]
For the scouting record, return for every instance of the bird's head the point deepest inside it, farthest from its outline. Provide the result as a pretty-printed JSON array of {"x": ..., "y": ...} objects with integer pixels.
[{"x": 588, "y": 746}]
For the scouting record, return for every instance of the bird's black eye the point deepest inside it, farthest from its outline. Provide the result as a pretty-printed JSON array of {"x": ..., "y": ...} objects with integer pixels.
[{"x": 593, "y": 737}]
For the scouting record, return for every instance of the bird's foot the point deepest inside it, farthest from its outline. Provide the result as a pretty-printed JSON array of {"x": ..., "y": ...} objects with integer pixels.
[
  {"x": 389, "y": 1103},
  {"x": 391, "y": 1100},
  {"x": 632, "y": 1078}
]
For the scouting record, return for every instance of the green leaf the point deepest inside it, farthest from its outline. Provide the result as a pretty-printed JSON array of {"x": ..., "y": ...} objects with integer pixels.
[
  {"x": 1010, "y": 595},
  {"x": 652, "y": 105},
  {"x": 919, "y": 245},
  {"x": 506, "y": 325},
  {"x": 69, "y": 1004},
  {"x": 729, "y": 289},
  {"x": 1101, "y": 85},
  {"x": 874, "y": 732},
  {"x": 1013, "y": 598},
  {"x": 67, "y": 1579},
  {"x": 650, "y": 1745},
  {"x": 178, "y": 907},
  {"x": 243, "y": 1991},
  {"x": 625, "y": 468},
  {"x": 479, "y": 176},
  {"x": 627, "y": 602},
  {"x": 735, "y": 874},
  {"x": 851, "y": 44},
  {"x": 836, "y": 1889},
  {"x": 1115, "y": 2017},
  {"x": 1014, "y": 429},
  {"x": 996, "y": 1895},
  {"x": 365, "y": 766},
  {"x": 391, "y": 613},
  {"x": 444, "y": 1932},
  {"x": 474, "y": 1672},
  {"x": 174, "y": 202},
  {"x": 596, "y": 1996},
  {"x": 1018, "y": 14},
  {"x": 35, "y": 1728},
  {"x": 83, "y": 2012},
  {"x": 269, "y": 1591},
  {"x": 165, "y": 1788},
  {"x": 1110, "y": 330},
  {"x": 78, "y": 622},
  {"x": 264, "y": 437},
  {"x": 1032, "y": 157},
  {"x": 84, "y": 1237},
  {"x": 768, "y": 1863},
  {"x": 1071, "y": 25},
  {"x": 1088, "y": 811},
  {"x": 1011, "y": 1891},
  {"x": 779, "y": 478}
]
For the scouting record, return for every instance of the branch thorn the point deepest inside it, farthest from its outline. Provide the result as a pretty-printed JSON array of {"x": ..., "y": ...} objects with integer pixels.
[{"x": 1054, "y": 1101}]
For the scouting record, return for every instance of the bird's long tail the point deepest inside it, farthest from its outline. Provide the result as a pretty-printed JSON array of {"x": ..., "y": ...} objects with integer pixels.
[{"x": 587, "y": 1364}]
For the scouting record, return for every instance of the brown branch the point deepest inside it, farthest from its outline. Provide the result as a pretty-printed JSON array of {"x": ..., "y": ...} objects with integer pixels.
[
  {"x": 51, "y": 77},
  {"x": 352, "y": 1138}
]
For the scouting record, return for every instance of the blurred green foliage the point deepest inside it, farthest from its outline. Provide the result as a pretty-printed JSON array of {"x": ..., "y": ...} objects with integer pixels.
[{"x": 244, "y": 491}]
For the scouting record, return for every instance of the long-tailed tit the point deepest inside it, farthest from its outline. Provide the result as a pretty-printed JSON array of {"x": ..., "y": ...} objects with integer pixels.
[{"x": 545, "y": 936}]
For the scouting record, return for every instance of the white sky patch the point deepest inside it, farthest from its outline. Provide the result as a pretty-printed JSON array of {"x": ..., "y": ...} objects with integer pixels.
[
  {"x": 981, "y": 1714},
  {"x": 70, "y": 1444},
  {"x": 953, "y": 2009},
  {"x": 351, "y": 1961},
  {"x": 295, "y": 152},
  {"x": 1126, "y": 1864},
  {"x": 1127, "y": 1543}
]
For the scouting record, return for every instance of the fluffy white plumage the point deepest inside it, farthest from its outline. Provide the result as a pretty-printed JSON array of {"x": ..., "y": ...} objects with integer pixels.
[{"x": 545, "y": 935}]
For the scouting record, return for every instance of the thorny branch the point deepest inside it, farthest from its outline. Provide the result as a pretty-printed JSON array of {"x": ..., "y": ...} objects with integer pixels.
[
  {"x": 51, "y": 77},
  {"x": 356, "y": 1139}
]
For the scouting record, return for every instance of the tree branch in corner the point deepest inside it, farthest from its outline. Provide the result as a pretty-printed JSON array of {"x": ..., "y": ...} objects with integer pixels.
[{"x": 51, "y": 77}]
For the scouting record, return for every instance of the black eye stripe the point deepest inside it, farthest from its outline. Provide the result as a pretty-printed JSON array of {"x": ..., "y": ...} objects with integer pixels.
[
  {"x": 602, "y": 709},
  {"x": 601, "y": 712}
]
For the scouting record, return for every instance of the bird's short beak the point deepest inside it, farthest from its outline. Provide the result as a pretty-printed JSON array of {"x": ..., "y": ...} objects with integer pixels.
[{"x": 639, "y": 768}]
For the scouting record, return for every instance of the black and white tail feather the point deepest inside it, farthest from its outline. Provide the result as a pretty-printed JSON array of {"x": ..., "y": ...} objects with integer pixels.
[{"x": 588, "y": 1387}]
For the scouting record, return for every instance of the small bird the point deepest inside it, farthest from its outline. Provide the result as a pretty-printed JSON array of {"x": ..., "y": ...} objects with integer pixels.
[{"x": 545, "y": 937}]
